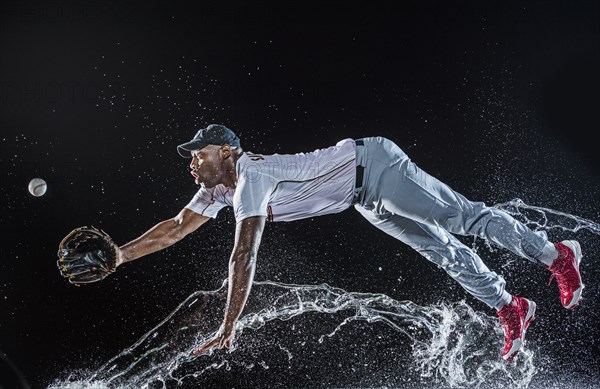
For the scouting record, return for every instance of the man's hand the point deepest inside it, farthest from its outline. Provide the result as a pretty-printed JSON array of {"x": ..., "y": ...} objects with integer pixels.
[{"x": 222, "y": 338}]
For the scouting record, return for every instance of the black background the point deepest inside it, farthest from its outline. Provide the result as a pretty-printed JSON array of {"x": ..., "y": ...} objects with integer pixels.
[{"x": 498, "y": 99}]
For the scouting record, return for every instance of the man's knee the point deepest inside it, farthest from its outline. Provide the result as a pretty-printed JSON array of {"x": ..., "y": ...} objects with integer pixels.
[{"x": 474, "y": 219}]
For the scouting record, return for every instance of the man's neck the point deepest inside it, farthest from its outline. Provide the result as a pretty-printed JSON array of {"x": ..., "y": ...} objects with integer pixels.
[{"x": 231, "y": 176}]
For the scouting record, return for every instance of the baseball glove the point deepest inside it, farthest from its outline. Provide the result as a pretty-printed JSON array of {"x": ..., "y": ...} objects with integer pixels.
[{"x": 86, "y": 255}]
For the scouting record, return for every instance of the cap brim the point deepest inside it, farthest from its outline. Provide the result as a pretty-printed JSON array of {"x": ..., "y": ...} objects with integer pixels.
[{"x": 185, "y": 149}]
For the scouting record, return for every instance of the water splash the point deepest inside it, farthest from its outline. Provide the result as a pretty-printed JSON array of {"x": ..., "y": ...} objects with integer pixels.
[
  {"x": 450, "y": 342},
  {"x": 548, "y": 219},
  {"x": 309, "y": 331}
]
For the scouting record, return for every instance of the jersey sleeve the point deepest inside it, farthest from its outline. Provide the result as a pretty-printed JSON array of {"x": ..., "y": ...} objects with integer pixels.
[
  {"x": 208, "y": 202},
  {"x": 254, "y": 188}
]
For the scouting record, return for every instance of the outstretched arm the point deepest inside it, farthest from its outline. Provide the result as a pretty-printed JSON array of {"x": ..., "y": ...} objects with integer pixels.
[
  {"x": 162, "y": 235},
  {"x": 242, "y": 265}
]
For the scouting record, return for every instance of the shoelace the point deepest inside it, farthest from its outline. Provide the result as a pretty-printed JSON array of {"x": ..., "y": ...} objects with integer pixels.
[
  {"x": 552, "y": 277},
  {"x": 509, "y": 320},
  {"x": 559, "y": 273}
]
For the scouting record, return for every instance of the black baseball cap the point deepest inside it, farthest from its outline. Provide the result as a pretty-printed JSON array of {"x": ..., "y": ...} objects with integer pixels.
[{"x": 213, "y": 134}]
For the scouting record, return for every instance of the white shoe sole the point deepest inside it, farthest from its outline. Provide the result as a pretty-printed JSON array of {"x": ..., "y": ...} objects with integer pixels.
[
  {"x": 530, "y": 315},
  {"x": 576, "y": 248},
  {"x": 516, "y": 347}
]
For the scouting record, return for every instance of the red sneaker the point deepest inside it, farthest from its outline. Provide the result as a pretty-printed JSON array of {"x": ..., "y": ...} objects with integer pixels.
[
  {"x": 515, "y": 317},
  {"x": 566, "y": 270}
]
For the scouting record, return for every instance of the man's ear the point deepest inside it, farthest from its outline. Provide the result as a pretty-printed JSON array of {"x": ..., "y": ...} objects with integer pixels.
[{"x": 225, "y": 151}]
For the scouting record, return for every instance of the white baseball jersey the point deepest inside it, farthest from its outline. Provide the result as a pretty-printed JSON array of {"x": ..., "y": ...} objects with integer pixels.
[{"x": 286, "y": 187}]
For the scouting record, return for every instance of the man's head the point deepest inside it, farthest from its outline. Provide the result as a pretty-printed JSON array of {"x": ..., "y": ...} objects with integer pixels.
[
  {"x": 214, "y": 151},
  {"x": 214, "y": 134}
]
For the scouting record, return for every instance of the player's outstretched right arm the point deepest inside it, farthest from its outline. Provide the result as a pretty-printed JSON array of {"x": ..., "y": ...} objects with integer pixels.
[{"x": 162, "y": 235}]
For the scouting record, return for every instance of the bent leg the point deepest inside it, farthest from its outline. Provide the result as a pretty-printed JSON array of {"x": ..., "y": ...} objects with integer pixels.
[
  {"x": 443, "y": 249},
  {"x": 397, "y": 185}
]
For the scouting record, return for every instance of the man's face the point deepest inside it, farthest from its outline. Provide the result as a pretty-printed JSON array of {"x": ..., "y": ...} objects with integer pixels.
[{"x": 207, "y": 166}]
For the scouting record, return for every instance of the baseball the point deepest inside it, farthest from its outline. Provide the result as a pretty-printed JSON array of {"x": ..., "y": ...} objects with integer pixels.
[{"x": 37, "y": 187}]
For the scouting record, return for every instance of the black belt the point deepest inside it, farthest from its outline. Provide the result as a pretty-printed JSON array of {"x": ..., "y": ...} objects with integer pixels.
[{"x": 359, "y": 169}]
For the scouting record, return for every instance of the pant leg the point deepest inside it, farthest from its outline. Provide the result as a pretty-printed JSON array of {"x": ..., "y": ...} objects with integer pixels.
[
  {"x": 443, "y": 249},
  {"x": 395, "y": 184}
]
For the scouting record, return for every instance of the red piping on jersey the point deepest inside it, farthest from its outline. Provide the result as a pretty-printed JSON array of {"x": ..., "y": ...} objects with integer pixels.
[{"x": 212, "y": 199}]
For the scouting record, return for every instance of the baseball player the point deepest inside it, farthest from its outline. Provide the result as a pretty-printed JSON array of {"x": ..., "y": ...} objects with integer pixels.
[{"x": 376, "y": 177}]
